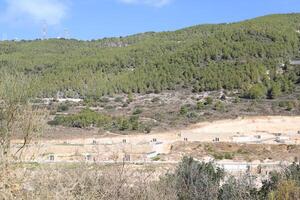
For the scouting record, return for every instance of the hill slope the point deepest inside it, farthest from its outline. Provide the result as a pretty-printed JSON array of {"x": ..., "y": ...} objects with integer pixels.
[{"x": 244, "y": 56}]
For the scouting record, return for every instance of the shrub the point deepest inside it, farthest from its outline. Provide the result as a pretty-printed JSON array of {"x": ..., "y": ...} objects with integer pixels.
[
  {"x": 237, "y": 189},
  {"x": 155, "y": 99},
  {"x": 129, "y": 98},
  {"x": 196, "y": 180},
  {"x": 200, "y": 105},
  {"x": 256, "y": 91},
  {"x": 288, "y": 105},
  {"x": 109, "y": 107},
  {"x": 156, "y": 158},
  {"x": 137, "y": 111},
  {"x": 104, "y": 100},
  {"x": 134, "y": 122},
  {"x": 192, "y": 115},
  {"x": 275, "y": 91},
  {"x": 218, "y": 156},
  {"x": 236, "y": 100},
  {"x": 228, "y": 156},
  {"x": 148, "y": 129},
  {"x": 183, "y": 110},
  {"x": 219, "y": 106},
  {"x": 63, "y": 107},
  {"x": 119, "y": 99},
  {"x": 287, "y": 189},
  {"x": 208, "y": 100},
  {"x": 123, "y": 124}
]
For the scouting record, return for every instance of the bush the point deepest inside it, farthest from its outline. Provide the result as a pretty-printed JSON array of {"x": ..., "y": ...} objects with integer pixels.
[
  {"x": 237, "y": 189},
  {"x": 218, "y": 156},
  {"x": 129, "y": 98},
  {"x": 123, "y": 124},
  {"x": 119, "y": 99},
  {"x": 137, "y": 111},
  {"x": 236, "y": 100},
  {"x": 228, "y": 156},
  {"x": 87, "y": 118},
  {"x": 219, "y": 106},
  {"x": 208, "y": 100},
  {"x": 104, "y": 100},
  {"x": 275, "y": 91},
  {"x": 148, "y": 129},
  {"x": 155, "y": 99},
  {"x": 257, "y": 91},
  {"x": 192, "y": 115},
  {"x": 183, "y": 110},
  {"x": 134, "y": 123},
  {"x": 286, "y": 189},
  {"x": 288, "y": 105},
  {"x": 196, "y": 180},
  {"x": 200, "y": 105},
  {"x": 63, "y": 107},
  {"x": 109, "y": 107}
]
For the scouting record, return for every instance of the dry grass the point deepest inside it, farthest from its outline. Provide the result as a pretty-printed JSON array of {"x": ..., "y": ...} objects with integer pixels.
[
  {"x": 84, "y": 182},
  {"x": 238, "y": 152}
]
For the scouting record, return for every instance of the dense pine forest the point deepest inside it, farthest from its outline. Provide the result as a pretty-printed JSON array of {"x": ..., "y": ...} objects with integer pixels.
[{"x": 251, "y": 56}]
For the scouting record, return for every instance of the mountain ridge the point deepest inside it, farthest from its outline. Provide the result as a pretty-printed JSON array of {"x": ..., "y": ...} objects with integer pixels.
[{"x": 197, "y": 57}]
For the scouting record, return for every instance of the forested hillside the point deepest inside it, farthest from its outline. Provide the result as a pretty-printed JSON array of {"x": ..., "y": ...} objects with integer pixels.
[{"x": 248, "y": 56}]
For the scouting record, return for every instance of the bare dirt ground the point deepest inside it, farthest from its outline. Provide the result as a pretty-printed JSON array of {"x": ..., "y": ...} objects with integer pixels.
[
  {"x": 269, "y": 124},
  {"x": 148, "y": 146},
  {"x": 246, "y": 126},
  {"x": 235, "y": 152}
]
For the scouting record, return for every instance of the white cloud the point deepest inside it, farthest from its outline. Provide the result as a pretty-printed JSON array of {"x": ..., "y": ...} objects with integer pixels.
[
  {"x": 50, "y": 11},
  {"x": 156, "y": 3}
]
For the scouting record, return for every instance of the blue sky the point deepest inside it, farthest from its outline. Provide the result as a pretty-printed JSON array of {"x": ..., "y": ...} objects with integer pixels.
[{"x": 92, "y": 19}]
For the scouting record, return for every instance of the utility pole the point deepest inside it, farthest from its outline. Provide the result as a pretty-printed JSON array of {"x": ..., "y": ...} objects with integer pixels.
[{"x": 44, "y": 30}]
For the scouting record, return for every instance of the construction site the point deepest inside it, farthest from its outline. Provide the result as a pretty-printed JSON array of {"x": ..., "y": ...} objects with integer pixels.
[{"x": 275, "y": 138}]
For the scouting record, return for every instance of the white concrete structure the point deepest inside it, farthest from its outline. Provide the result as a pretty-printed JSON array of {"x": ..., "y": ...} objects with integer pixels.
[{"x": 60, "y": 100}]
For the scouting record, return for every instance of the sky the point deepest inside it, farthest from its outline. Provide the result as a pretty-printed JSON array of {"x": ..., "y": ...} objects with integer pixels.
[{"x": 94, "y": 19}]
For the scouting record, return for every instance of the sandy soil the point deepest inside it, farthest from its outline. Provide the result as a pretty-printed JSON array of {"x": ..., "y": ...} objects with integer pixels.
[
  {"x": 140, "y": 146},
  {"x": 251, "y": 125},
  {"x": 266, "y": 126}
]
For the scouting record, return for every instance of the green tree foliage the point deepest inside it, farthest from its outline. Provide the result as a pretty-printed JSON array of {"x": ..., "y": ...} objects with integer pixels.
[
  {"x": 200, "y": 105},
  {"x": 87, "y": 118},
  {"x": 257, "y": 91},
  {"x": 184, "y": 110},
  {"x": 17, "y": 116},
  {"x": 237, "y": 189},
  {"x": 275, "y": 91},
  {"x": 207, "y": 57},
  {"x": 285, "y": 190},
  {"x": 195, "y": 180},
  {"x": 284, "y": 185}
]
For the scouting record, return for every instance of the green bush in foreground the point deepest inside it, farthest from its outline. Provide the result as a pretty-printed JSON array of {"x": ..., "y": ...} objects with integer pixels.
[{"x": 197, "y": 180}]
